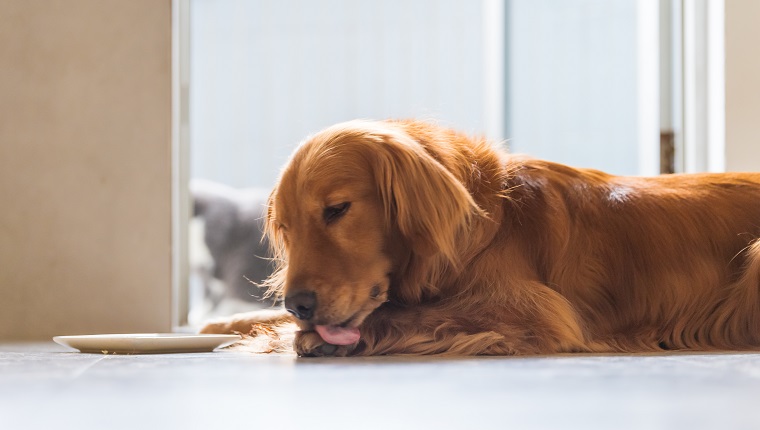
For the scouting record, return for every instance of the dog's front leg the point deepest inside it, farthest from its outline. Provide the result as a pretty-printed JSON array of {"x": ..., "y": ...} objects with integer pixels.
[
  {"x": 437, "y": 329},
  {"x": 533, "y": 320},
  {"x": 441, "y": 329},
  {"x": 243, "y": 322}
]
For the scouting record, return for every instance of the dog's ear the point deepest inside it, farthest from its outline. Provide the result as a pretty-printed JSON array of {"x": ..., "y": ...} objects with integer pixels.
[
  {"x": 276, "y": 281},
  {"x": 426, "y": 202}
]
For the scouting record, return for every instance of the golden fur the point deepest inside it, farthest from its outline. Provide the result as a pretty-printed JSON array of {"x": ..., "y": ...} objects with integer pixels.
[{"x": 474, "y": 251}]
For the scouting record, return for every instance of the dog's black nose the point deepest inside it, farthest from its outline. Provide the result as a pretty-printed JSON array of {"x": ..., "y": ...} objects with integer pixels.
[{"x": 301, "y": 304}]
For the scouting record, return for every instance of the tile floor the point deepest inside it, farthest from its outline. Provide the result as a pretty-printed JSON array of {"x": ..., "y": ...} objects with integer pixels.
[{"x": 44, "y": 386}]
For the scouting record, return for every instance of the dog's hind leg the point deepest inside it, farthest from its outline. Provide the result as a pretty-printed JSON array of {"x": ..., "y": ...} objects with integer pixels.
[{"x": 736, "y": 321}]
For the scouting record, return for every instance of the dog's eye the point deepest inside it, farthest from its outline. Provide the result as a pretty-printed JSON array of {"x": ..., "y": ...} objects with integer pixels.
[{"x": 333, "y": 213}]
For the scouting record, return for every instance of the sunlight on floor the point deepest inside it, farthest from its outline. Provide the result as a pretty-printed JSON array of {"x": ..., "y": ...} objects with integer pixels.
[{"x": 44, "y": 386}]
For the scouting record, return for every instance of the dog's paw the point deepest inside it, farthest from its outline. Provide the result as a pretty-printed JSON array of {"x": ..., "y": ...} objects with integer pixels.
[{"x": 310, "y": 344}]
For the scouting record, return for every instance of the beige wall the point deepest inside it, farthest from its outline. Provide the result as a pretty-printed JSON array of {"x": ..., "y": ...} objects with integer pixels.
[
  {"x": 85, "y": 167},
  {"x": 742, "y": 85}
]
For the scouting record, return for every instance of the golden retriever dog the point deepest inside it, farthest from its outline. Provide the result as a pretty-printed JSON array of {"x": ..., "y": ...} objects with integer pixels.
[{"x": 403, "y": 237}]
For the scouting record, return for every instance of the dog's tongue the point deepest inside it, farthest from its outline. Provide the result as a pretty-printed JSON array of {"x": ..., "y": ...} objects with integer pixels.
[{"x": 338, "y": 335}]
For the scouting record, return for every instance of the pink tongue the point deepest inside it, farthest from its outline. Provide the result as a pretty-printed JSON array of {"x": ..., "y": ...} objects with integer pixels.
[{"x": 338, "y": 335}]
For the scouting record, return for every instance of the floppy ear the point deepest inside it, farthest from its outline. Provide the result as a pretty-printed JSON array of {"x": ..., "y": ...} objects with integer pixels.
[
  {"x": 428, "y": 204},
  {"x": 276, "y": 281}
]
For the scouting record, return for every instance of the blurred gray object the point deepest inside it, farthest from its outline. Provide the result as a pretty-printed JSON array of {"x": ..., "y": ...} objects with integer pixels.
[{"x": 233, "y": 233}]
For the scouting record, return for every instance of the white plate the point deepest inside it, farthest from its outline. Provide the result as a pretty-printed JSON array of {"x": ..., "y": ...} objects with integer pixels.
[{"x": 147, "y": 343}]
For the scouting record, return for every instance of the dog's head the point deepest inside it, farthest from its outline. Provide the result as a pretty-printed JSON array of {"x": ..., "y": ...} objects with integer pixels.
[{"x": 354, "y": 207}]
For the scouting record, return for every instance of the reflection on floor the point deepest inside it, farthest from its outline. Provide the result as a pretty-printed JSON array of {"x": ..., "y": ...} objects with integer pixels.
[{"x": 45, "y": 386}]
